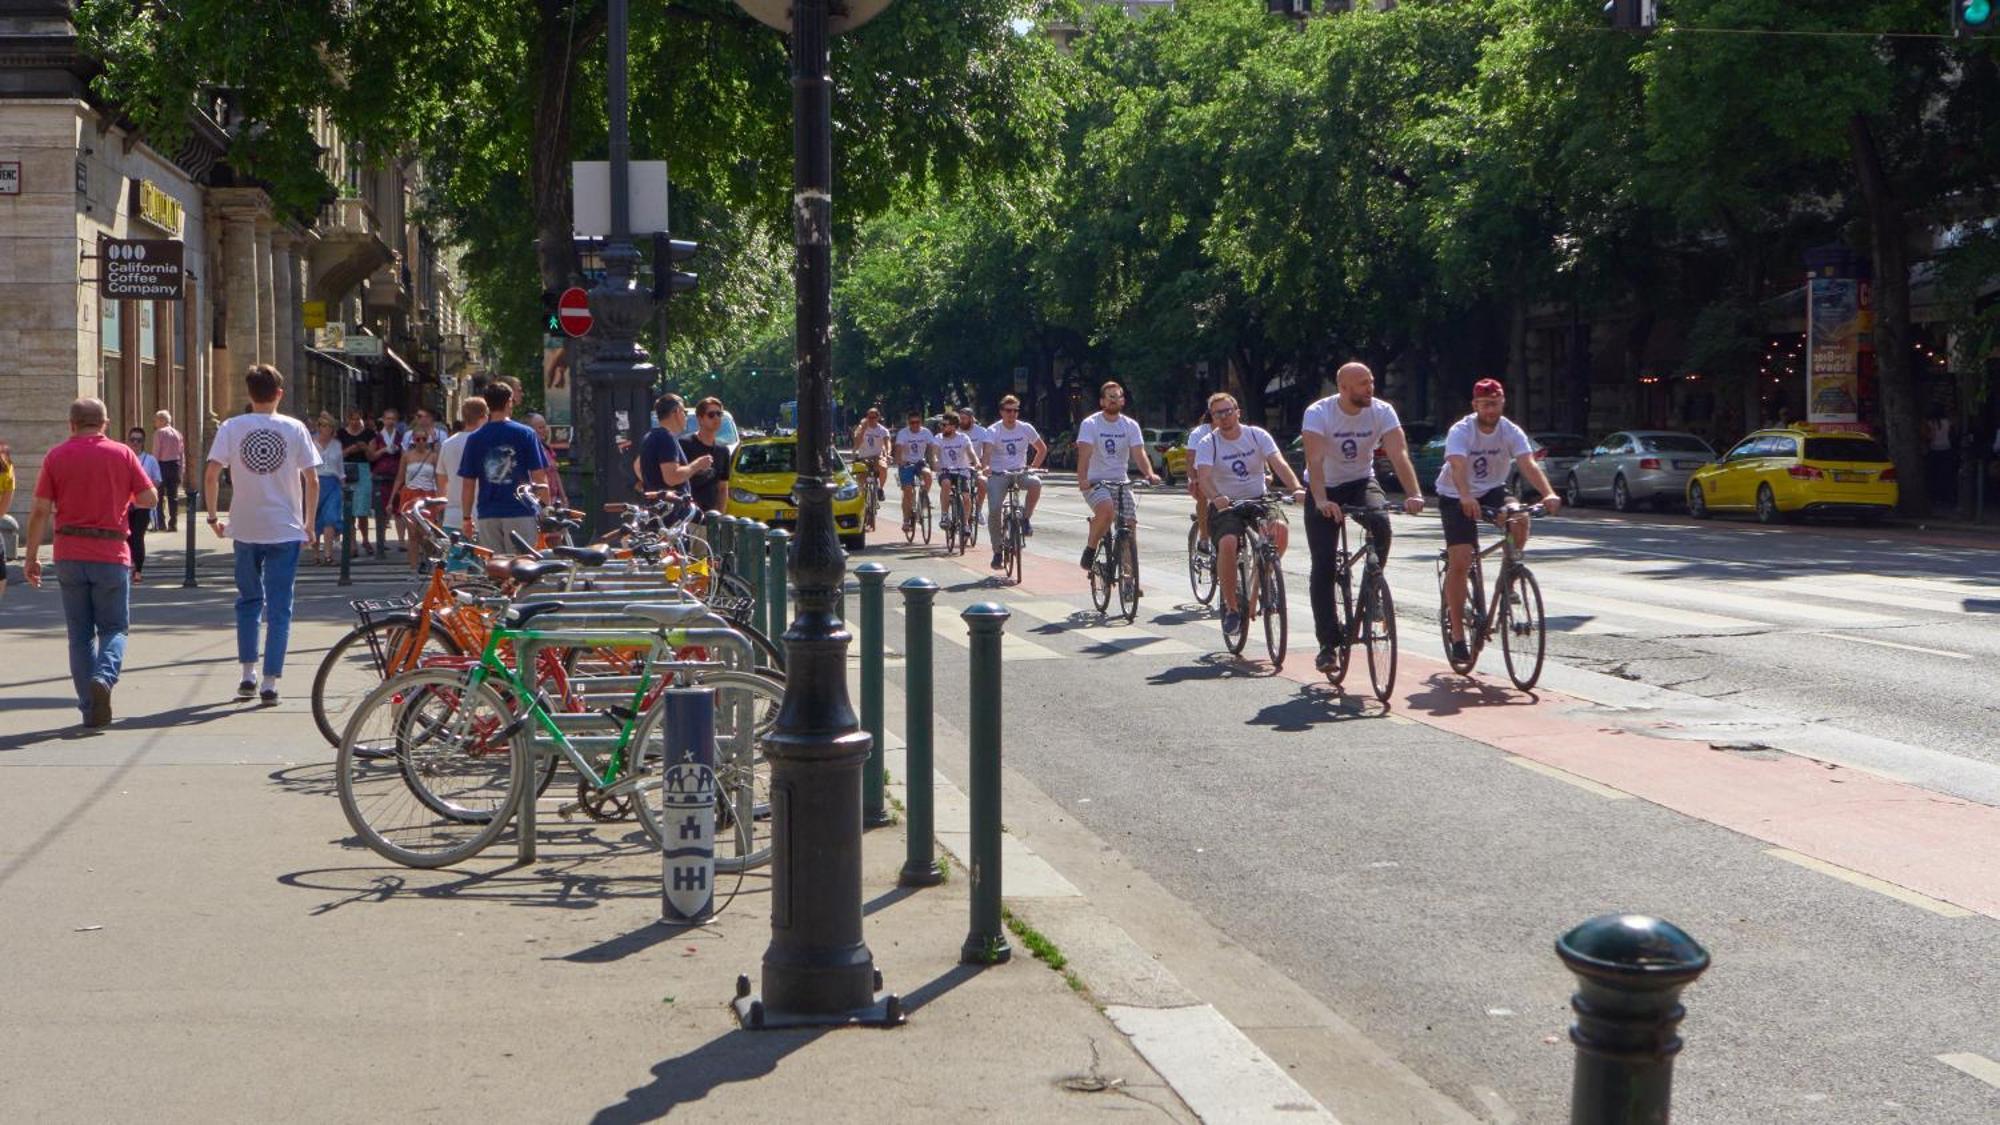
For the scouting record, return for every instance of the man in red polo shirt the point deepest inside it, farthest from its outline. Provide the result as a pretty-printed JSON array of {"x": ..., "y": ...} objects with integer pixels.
[{"x": 87, "y": 487}]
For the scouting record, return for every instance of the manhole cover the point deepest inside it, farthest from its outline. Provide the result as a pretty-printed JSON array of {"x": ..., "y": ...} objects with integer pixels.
[{"x": 1089, "y": 1084}]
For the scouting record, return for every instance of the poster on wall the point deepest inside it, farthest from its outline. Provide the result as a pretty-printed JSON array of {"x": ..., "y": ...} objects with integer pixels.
[
  {"x": 1833, "y": 351},
  {"x": 556, "y": 383}
]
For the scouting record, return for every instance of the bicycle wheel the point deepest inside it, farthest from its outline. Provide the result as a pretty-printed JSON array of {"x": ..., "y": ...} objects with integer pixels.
[
  {"x": 1343, "y": 600},
  {"x": 910, "y": 527},
  {"x": 746, "y": 708},
  {"x": 363, "y": 658},
  {"x": 1128, "y": 577},
  {"x": 1246, "y": 578},
  {"x": 1201, "y": 566},
  {"x": 1524, "y": 635},
  {"x": 971, "y": 520},
  {"x": 1104, "y": 572},
  {"x": 1475, "y": 638},
  {"x": 428, "y": 769},
  {"x": 1012, "y": 544},
  {"x": 1376, "y": 620},
  {"x": 924, "y": 515},
  {"x": 1271, "y": 595}
]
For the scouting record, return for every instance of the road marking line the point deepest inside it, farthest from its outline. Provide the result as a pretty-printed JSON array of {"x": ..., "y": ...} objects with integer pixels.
[
  {"x": 1047, "y": 611},
  {"x": 1955, "y": 589},
  {"x": 1897, "y": 645},
  {"x": 1012, "y": 646},
  {"x": 1819, "y": 588},
  {"x": 1978, "y": 1066},
  {"x": 1131, "y": 638},
  {"x": 1616, "y": 607},
  {"x": 1870, "y": 883},
  {"x": 1568, "y": 778}
]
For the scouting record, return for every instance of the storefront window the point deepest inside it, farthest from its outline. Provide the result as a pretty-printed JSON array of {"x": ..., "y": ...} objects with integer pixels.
[
  {"x": 112, "y": 325},
  {"x": 149, "y": 350}
]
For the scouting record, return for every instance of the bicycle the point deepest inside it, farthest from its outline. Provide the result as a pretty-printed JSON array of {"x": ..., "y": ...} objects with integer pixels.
[
  {"x": 1368, "y": 619},
  {"x": 1201, "y": 562},
  {"x": 1519, "y": 623},
  {"x": 1260, "y": 580},
  {"x": 957, "y": 521},
  {"x": 431, "y": 765},
  {"x": 871, "y": 491},
  {"x": 922, "y": 519},
  {"x": 1013, "y": 523},
  {"x": 1116, "y": 566}
]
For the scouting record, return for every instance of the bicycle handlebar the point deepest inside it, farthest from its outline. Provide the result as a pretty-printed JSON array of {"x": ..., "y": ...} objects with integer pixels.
[{"x": 1533, "y": 511}]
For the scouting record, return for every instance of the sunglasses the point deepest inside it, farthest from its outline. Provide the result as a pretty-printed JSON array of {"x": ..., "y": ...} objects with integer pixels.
[
  {"x": 1010, "y": 410},
  {"x": 1223, "y": 413}
]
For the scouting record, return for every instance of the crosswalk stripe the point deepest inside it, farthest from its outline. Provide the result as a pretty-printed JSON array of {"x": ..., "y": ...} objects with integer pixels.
[
  {"x": 1557, "y": 603},
  {"x": 1955, "y": 589},
  {"x": 1823, "y": 588},
  {"x": 1131, "y": 638}
]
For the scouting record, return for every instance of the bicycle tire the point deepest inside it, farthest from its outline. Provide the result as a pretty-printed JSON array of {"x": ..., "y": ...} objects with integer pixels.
[
  {"x": 1277, "y": 622},
  {"x": 1201, "y": 567},
  {"x": 1343, "y": 596},
  {"x": 1128, "y": 577},
  {"x": 1010, "y": 551},
  {"x": 743, "y": 789},
  {"x": 1246, "y": 580},
  {"x": 371, "y": 778},
  {"x": 971, "y": 521},
  {"x": 377, "y": 655},
  {"x": 1377, "y": 619},
  {"x": 1524, "y": 635},
  {"x": 1104, "y": 573},
  {"x": 925, "y": 516}
]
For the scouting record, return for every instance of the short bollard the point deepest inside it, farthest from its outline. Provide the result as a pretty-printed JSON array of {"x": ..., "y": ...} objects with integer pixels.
[
  {"x": 722, "y": 540},
  {"x": 920, "y": 812},
  {"x": 751, "y": 551},
  {"x": 1630, "y": 970},
  {"x": 777, "y": 573},
  {"x": 687, "y": 815},
  {"x": 347, "y": 528},
  {"x": 188, "y": 581},
  {"x": 986, "y": 942},
  {"x": 871, "y": 575}
]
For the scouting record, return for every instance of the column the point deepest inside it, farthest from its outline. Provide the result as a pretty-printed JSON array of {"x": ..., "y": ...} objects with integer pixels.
[
  {"x": 285, "y": 310},
  {"x": 236, "y": 212},
  {"x": 267, "y": 307}
]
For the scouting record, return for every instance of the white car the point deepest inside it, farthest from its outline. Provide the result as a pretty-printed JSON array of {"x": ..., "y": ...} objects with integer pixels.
[{"x": 1634, "y": 466}]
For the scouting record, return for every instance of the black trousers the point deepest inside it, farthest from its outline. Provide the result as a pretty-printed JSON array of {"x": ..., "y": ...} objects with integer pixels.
[
  {"x": 137, "y": 521},
  {"x": 1359, "y": 500},
  {"x": 170, "y": 492}
]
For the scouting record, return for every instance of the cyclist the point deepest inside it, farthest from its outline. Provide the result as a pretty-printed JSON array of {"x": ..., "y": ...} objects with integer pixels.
[
  {"x": 1198, "y": 432},
  {"x": 871, "y": 447},
  {"x": 1104, "y": 442},
  {"x": 1477, "y": 453},
  {"x": 1231, "y": 459},
  {"x": 1342, "y": 432},
  {"x": 978, "y": 435},
  {"x": 957, "y": 459},
  {"x": 914, "y": 457},
  {"x": 1012, "y": 446}
]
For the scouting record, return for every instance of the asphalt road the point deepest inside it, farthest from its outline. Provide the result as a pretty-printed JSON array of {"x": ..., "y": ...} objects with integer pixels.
[{"x": 1414, "y": 877}]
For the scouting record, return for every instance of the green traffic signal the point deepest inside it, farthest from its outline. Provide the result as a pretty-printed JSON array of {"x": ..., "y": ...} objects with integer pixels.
[{"x": 1975, "y": 15}]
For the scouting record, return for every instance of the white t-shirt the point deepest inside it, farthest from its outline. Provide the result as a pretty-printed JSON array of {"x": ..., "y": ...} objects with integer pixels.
[
  {"x": 449, "y": 455},
  {"x": 329, "y": 459},
  {"x": 873, "y": 438},
  {"x": 1007, "y": 448},
  {"x": 910, "y": 447},
  {"x": 1111, "y": 445},
  {"x": 954, "y": 452},
  {"x": 1350, "y": 439},
  {"x": 265, "y": 453},
  {"x": 1487, "y": 456},
  {"x": 1199, "y": 432},
  {"x": 1239, "y": 462}
]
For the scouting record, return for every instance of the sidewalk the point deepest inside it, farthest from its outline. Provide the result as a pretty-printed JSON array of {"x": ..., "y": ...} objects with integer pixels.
[{"x": 193, "y": 936}]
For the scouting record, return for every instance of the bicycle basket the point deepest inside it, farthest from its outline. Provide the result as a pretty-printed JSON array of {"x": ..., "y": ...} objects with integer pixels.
[{"x": 371, "y": 610}]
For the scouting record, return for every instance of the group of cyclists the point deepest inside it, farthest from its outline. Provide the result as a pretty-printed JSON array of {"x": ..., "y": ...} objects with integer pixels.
[{"x": 1232, "y": 461}]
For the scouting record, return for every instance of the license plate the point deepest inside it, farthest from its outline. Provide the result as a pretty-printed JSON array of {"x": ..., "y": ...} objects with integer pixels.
[
  {"x": 785, "y": 514},
  {"x": 1688, "y": 464},
  {"x": 1853, "y": 478}
]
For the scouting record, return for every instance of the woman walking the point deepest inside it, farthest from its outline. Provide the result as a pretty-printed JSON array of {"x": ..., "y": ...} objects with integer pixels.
[
  {"x": 140, "y": 520},
  {"x": 326, "y": 521},
  {"x": 416, "y": 480},
  {"x": 355, "y": 438}
]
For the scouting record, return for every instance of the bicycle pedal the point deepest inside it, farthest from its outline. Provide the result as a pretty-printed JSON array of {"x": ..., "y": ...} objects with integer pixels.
[{"x": 568, "y": 812}]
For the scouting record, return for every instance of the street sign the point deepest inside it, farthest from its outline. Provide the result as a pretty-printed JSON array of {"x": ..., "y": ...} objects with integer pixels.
[
  {"x": 590, "y": 197},
  {"x": 10, "y": 177},
  {"x": 573, "y": 312},
  {"x": 139, "y": 269},
  {"x": 314, "y": 313},
  {"x": 364, "y": 347}
]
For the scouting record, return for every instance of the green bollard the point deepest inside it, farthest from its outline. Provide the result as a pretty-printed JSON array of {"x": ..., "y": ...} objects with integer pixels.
[
  {"x": 920, "y": 867},
  {"x": 986, "y": 942},
  {"x": 777, "y": 574},
  {"x": 722, "y": 541},
  {"x": 871, "y": 575},
  {"x": 753, "y": 573},
  {"x": 1630, "y": 970}
]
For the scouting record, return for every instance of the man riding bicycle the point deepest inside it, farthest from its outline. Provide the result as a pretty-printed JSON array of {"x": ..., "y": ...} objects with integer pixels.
[
  {"x": 1231, "y": 459},
  {"x": 1012, "y": 447},
  {"x": 1104, "y": 442},
  {"x": 957, "y": 460},
  {"x": 978, "y": 436},
  {"x": 1477, "y": 453},
  {"x": 1342, "y": 432},
  {"x": 914, "y": 457},
  {"x": 871, "y": 447}
]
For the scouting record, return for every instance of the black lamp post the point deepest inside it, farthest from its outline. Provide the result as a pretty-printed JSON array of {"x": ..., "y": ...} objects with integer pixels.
[{"x": 817, "y": 969}]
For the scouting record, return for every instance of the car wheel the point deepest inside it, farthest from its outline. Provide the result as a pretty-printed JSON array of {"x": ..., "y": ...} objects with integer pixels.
[
  {"x": 854, "y": 543},
  {"x": 1572, "y": 492},
  {"x": 1621, "y": 496},
  {"x": 1697, "y": 502},
  {"x": 1767, "y": 505}
]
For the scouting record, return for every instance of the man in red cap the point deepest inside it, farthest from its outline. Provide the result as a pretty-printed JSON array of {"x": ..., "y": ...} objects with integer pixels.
[{"x": 1478, "y": 451}]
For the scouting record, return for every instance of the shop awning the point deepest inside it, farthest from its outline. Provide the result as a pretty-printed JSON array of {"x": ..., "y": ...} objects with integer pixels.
[
  {"x": 354, "y": 373},
  {"x": 390, "y": 355}
]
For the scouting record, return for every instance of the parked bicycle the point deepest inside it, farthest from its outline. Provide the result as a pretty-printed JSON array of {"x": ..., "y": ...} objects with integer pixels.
[
  {"x": 1116, "y": 567},
  {"x": 1517, "y": 600}
]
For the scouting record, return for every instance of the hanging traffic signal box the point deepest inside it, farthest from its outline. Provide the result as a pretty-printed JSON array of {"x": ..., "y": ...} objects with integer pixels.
[
  {"x": 1633, "y": 15},
  {"x": 1975, "y": 17},
  {"x": 668, "y": 253}
]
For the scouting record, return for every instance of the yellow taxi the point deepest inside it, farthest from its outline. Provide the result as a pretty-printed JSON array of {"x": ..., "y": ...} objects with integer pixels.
[
  {"x": 1791, "y": 471},
  {"x": 761, "y": 479}
]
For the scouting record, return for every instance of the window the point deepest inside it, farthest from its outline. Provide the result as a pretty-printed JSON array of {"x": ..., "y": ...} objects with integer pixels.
[
  {"x": 1745, "y": 449},
  {"x": 1780, "y": 447},
  {"x": 1616, "y": 443},
  {"x": 1676, "y": 443},
  {"x": 1866, "y": 450},
  {"x": 111, "y": 326},
  {"x": 766, "y": 457},
  {"x": 149, "y": 341}
]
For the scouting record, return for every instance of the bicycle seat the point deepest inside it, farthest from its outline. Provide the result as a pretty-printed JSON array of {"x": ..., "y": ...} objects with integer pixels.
[
  {"x": 527, "y": 572},
  {"x": 583, "y": 556},
  {"x": 519, "y": 616},
  {"x": 671, "y": 615}
]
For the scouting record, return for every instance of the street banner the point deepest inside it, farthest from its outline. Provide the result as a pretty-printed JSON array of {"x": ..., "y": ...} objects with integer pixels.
[
  {"x": 687, "y": 806},
  {"x": 1833, "y": 350},
  {"x": 555, "y": 383}
]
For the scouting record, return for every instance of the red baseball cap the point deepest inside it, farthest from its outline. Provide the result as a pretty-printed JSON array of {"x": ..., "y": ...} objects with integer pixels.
[{"x": 1488, "y": 388}]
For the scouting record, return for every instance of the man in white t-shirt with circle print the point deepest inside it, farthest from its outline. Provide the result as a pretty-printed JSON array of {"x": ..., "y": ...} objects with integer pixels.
[
  {"x": 1231, "y": 460},
  {"x": 1478, "y": 451},
  {"x": 1104, "y": 443},
  {"x": 273, "y": 466},
  {"x": 1012, "y": 447},
  {"x": 1342, "y": 432}
]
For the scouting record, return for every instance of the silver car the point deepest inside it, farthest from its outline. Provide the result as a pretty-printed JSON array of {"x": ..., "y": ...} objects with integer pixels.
[{"x": 1637, "y": 465}]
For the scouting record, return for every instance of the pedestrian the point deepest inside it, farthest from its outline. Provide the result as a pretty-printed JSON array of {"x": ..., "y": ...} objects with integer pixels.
[
  {"x": 140, "y": 520},
  {"x": 497, "y": 460},
  {"x": 10, "y": 532},
  {"x": 273, "y": 468},
  {"x": 356, "y": 439},
  {"x": 558, "y": 495},
  {"x": 385, "y": 458},
  {"x": 1940, "y": 457},
  {"x": 704, "y": 448},
  {"x": 170, "y": 450},
  {"x": 86, "y": 489},
  {"x": 416, "y": 478},
  {"x": 471, "y": 416},
  {"x": 327, "y": 515},
  {"x": 661, "y": 465}
]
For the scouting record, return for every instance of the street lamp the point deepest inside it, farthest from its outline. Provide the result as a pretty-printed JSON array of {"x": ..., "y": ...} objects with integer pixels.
[{"x": 817, "y": 969}]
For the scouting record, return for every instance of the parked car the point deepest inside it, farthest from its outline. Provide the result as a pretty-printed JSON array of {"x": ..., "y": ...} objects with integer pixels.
[
  {"x": 1556, "y": 452},
  {"x": 1789, "y": 471},
  {"x": 1417, "y": 434},
  {"x": 1157, "y": 444},
  {"x": 1062, "y": 450},
  {"x": 1636, "y": 466},
  {"x": 761, "y": 482},
  {"x": 1429, "y": 461}
]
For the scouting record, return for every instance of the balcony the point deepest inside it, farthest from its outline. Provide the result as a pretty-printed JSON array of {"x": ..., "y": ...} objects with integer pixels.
[{"x": 350, "y": 248}]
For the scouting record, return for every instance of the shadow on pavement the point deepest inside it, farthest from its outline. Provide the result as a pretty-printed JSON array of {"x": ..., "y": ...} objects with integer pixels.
[
  {"x": 1448, "y": 694},
  {"x": 1210, "y": 666},
  {"x": 162, "y": 720},
  {"x": 1315, "y": 705}
]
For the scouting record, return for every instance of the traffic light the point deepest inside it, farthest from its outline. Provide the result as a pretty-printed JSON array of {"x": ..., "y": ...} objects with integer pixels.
[
  {"x": 1289, "y": 7},
  {"x": 551, "y": 325},
  {"x": 668, "y": 253},
  {"x": 1633, "y": 15},
  {"x": 1975, "y": 17}
]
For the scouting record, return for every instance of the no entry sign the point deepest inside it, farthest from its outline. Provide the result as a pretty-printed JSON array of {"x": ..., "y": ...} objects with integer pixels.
[{"x": 573, "y": 312}]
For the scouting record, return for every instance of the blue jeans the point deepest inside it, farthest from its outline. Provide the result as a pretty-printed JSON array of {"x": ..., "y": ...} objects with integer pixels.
[
  {"x": 264, "y": 574},
  {"x": 97, "y": 605}
]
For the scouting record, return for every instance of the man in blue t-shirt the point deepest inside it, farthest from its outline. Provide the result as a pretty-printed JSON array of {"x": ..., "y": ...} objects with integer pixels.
[
  {"x": 498, "y": 458},
  {"x": 661, "y": 463}
]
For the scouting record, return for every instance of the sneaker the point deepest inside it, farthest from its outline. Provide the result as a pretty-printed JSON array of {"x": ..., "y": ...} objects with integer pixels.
[
  {"x": 268, "y": 696},
  {"x": 1231, "y": 621},
  {"x": 1460, "y": 653},
  {"x": 1027, "y": 529},
  {"x": 100, "y": 705},
  {"x": 1326, "y": 661},
  {"x": 1089, "y": 558},
  {"x": 996, "y": 560},
  {"x": 246, "y": 689}
]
